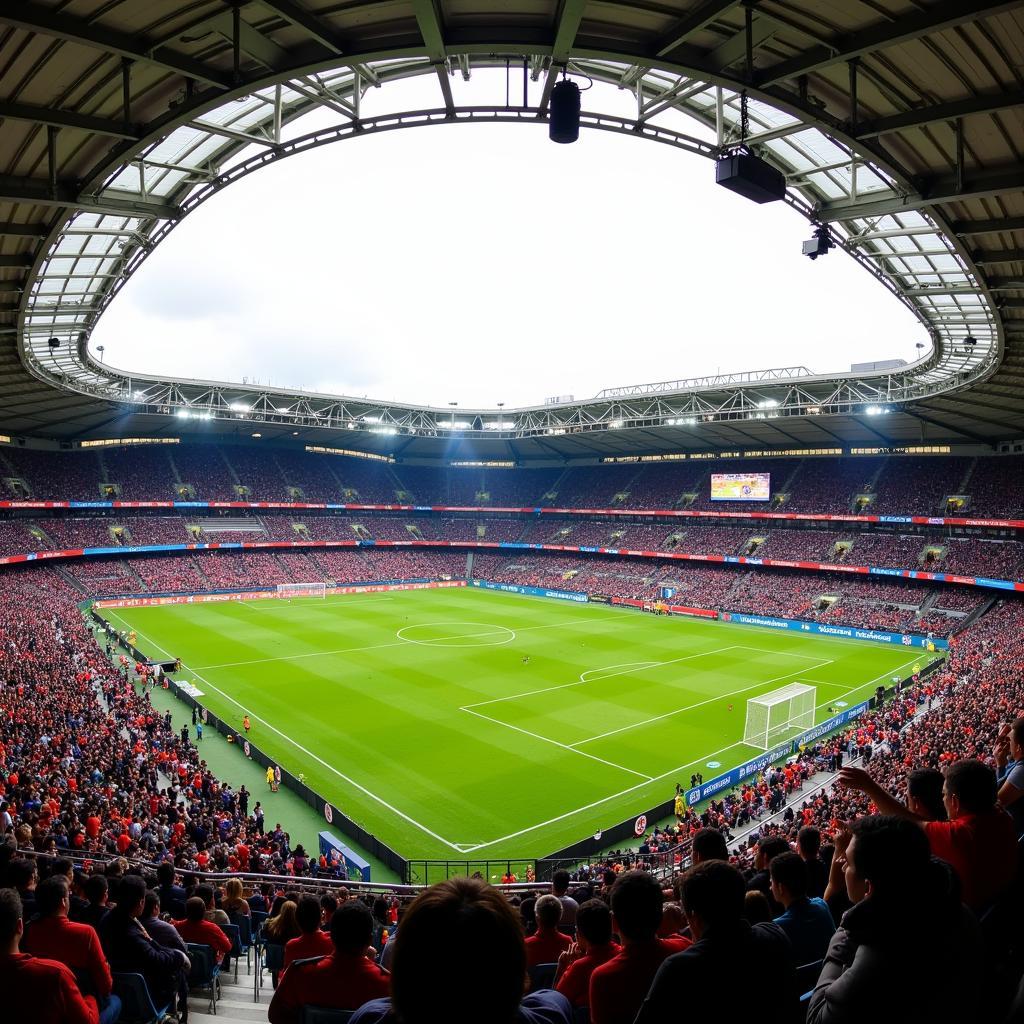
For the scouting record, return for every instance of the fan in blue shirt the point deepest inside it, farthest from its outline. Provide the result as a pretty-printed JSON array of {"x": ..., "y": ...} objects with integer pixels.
[{"x": 807, "y": 922}]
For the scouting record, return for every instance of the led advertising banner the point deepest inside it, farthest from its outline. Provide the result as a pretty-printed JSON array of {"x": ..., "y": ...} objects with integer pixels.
[{"x": 740, "y": 486}]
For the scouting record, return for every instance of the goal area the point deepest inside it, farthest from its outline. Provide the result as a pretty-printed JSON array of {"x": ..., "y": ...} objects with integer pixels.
[
  {"x": 772, "y": 715},
  {"x": 302, "y": 590}
]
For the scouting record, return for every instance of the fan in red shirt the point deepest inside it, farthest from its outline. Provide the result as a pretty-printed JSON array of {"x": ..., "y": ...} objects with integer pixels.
[
  {"x": 343, "y": 980},
  {"x": 592, "y": 948},
  {"x": 978, "y": 841},
  {"x": 53, "y": 936},
  {"x": 547, "y": 944},
  {"x": 618, "y": 987},
  {"x": 42, "y": 991},
  {"x": 312, "y": 941},
  {"x": 196, "y": 929}
]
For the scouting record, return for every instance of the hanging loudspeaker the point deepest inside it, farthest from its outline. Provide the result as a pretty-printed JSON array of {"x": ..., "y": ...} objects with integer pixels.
[{"x": 564, "y": 125}]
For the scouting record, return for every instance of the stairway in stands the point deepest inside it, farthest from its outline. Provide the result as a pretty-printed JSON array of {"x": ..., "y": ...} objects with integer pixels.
[{"x": 235, "y": 1001}]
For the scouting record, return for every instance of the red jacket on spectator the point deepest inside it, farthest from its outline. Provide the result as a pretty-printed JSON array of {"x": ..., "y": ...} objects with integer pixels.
[
  {"x": 545, "y": 948},
  {"x": 43, "y": 992},
  {"x": 983, "y": 850},
  {"x": 618, "y": 987},
  {"x": 204, "y": 933},
  {"x": 574, "y": 984},
  {"x": 75, "y": 945},
  {"x": 339, "y": 981},
  {"x": 312, "y": 944}
]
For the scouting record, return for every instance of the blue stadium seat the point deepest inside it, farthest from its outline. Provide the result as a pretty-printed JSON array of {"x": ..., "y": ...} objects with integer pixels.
[
  {"x": 136, "y": 1002},
  {"x": 542, "y": 976},
  {"x": 205, "y": 973},
  {"x": 234, "y": 933}
]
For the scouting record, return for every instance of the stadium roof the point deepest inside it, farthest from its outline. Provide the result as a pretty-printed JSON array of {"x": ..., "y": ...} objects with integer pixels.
[{"x": 898, "y": 124}]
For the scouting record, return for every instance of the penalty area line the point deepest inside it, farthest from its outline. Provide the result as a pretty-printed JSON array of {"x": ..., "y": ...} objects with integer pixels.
[
  {"x": 564, "y": 746},
  {"x": 319, "y": 760}
]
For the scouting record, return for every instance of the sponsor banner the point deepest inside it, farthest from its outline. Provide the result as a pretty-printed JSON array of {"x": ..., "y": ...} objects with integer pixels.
[
  {"x": 513, "y": 588},
  {"x": 676, "y": 609},
  {"x": 257, "y": 595},
  {"x": 1011, "y": 524},
  {"x": 512, "y": 545},
  {"x": 830, "y": 629},
  {"x": 829, "y": 725},
  {"x": 722, "y": 783}
]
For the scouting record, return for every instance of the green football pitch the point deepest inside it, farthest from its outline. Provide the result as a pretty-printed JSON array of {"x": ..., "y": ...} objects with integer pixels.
[{"x": 469, "y": 724}]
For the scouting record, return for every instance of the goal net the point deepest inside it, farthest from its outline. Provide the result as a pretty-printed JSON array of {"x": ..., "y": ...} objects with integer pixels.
[
  {"x": 302, "y": 590},
  {"x": 772, "y": 715}
]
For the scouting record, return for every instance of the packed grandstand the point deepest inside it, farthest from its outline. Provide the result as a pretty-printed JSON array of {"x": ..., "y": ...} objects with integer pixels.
[
  {"x": 169, "y": 846},
  {"x": 100, "y": 784}
]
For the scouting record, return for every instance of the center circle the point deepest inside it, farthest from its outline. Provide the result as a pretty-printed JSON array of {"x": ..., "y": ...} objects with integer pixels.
[{"x": 456, "y": 634}]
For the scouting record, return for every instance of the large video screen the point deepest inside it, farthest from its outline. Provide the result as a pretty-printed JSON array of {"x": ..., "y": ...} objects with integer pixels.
[{"x": 741, "y": 486}]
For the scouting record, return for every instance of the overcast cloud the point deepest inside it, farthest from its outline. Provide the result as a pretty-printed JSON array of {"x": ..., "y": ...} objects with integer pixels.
[{"x": 484, "y": 264}]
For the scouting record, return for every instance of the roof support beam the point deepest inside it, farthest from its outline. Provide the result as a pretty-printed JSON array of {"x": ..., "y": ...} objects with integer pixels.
[
  {"x": 308, "y": 22},
  {"x": 987, "y": 104},
  {"x": 934, "y": 192},
  {"x": 428, "y": 18},
  {"x": 68, "y": 119},
  {"x": 988, "y": 227},
  {"x": 37, "y": 191},
  {"x": 989, "y": 259},
  {"x": 48, "y": 21},
  {"x": 252, "y": 42},
  {"x": 567, "y": 24},
  {"x": 24, "y": 230},
  {"x": 912, "y": 25},
  {"x": 691, "y": 24},
  {"x": 911, "y": 410},
  {"x": 1006, "y": 284},
  {"x": 20, "y": 260},
  {"x": 232, "y": 133}
]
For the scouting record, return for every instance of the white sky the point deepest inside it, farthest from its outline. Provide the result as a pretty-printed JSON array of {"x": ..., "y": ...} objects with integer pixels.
[{"x": 485, "y": 264}]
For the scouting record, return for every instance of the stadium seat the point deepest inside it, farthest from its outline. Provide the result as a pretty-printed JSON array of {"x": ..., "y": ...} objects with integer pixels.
[
  {"x": 136, "y": 1002},
  {"x": 205, "y": 973},
  {"x": 807, "y": 975},
  {"x": 542, "y": 976},
  {"x": 322, "y": 1015},
  {"x": 233, "y": 932},
  {"x": 272, "y": 960},
  {"x": 245, "y": 942}
]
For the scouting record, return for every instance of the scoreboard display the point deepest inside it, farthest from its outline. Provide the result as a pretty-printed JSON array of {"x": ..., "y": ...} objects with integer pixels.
[{"x": 740, "y": 486}]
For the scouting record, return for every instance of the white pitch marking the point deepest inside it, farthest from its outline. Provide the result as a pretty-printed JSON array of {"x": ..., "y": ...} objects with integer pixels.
[
  {"x": 309, "y": 753},
  {"x": 374, "y": 647},
  {"x": 440, "y": 641},
  {"x": 633, "y": 789},
  {"x": 604, "y": 800},
  {"x": 564, "y": 746},
  {"x": 626, "y": 668},
  {"x": 690, "y": 707}
]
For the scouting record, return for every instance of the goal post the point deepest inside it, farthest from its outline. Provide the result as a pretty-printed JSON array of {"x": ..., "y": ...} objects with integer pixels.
[
  {"x": 302, "y": 590},
  {"x": 772, "y": 715}
]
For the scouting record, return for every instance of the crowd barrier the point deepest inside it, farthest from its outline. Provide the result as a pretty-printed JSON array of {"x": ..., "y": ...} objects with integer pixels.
[
  {"x": 185, "y": 597},
  {"x": 328, "y": 811},
  {"x": 582, "y": 850},
  {"x": 831, "y": 629},
  {"x": 514, "y": 588}
]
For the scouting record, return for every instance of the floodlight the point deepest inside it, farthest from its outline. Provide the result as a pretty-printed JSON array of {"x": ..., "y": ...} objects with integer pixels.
[
  {"x": 564, "y": 120},
  {"x": 819, "y": 245}
]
